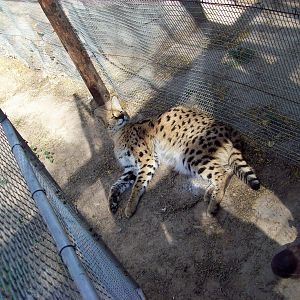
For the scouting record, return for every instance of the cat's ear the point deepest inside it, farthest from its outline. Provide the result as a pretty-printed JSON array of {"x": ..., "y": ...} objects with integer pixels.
[{"x": 115, "y": 104}]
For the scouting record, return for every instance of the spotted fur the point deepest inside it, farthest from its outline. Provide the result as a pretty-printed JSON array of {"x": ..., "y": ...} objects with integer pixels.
[{"x": 193, "y": 142}]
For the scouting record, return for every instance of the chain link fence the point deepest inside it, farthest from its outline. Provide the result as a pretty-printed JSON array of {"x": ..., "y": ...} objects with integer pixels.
[
  {"x": 238, "y": 60},
  {"x": 30, "y": 265}
]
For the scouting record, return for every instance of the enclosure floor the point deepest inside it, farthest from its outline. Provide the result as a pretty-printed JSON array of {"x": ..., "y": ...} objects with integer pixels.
[{"x": 170, "y": 247}]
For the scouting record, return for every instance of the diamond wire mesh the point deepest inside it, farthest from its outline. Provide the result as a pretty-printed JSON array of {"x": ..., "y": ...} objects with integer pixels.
[
  {"x": 29, "y": 263},
  {"x": 106, "y": 274},
  {"x": 238, "y": 60},
  {"x": 30, "y": 267}
]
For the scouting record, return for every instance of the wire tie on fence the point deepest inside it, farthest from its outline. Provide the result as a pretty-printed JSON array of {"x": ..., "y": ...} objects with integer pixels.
[
  {"x": 17, "y": 144},
  {"x": 66, "y": 246},
  {"x": 38, "y": 190}
]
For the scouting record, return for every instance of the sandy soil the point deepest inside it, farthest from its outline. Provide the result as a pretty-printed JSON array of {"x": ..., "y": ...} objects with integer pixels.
[{"x": 169, "y": 246}]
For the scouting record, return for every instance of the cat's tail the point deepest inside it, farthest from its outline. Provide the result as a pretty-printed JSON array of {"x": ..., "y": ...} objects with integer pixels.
[{"x": 242, "y": 170}]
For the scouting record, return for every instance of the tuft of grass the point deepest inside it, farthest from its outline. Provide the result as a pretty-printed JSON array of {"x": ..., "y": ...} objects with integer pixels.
[
  {"x": 42, "y": 153},
  {"x": 241, "y": 55}
]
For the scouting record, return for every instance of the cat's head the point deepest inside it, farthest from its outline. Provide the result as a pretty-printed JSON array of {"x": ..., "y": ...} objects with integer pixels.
[{"x": 113, "y": 116}]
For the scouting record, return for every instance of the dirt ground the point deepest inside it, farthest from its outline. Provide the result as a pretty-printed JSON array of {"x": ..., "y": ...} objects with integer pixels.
[{"x": 170, "y": 247}]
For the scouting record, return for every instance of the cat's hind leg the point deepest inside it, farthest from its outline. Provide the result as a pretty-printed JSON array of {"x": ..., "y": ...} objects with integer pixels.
[{"x": 220, "y": 181}]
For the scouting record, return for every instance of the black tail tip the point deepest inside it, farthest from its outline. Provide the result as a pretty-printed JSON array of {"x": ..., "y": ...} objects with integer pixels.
[{"x": 254, "y": 184}]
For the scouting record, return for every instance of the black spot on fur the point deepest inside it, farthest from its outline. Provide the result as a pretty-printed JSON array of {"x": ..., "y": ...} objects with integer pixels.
[
  {"x": 209, "y": 176},
  {"x": 212, "y": 150},
  {"x": 201, "y": 170},
  {"x": 168, "y": 118},
  {"x": 198, "y": 152},
  {"x": 248, "y": 173},
  {"x": 234, "y": 133},
  {"x": 192, "y": 151},
  {"x": 161, "y": 128},
  {"x": 131, "y": 177},
  {"x": 217, "y": 144},
  {"x": 149, "y": 173},
  {"x": 197, "y": 162},
  {"x": 141, "y": 154},
  {"x": 211, "y": 167},
  {"x": 190, "y": 159},
  {"x": 186, "y": 150},
  {"x": 206, "y": 156},
  {"x": 128, "y": 153}
]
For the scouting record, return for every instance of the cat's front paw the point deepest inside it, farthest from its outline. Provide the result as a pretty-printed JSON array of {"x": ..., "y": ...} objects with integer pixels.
[
  {"x": 113, "y": 203},
  {"x": 129, "y": 211}
]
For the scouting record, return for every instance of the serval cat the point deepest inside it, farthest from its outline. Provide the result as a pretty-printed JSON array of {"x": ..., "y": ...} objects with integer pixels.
[{"x": 191, "y": 141}]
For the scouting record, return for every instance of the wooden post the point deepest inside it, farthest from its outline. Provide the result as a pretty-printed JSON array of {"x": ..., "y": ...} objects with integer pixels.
[{"x": 77, "y": 52}]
